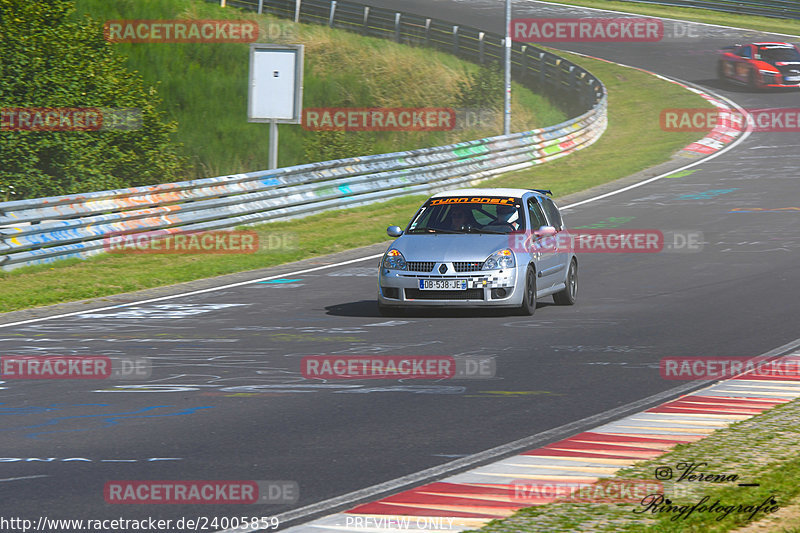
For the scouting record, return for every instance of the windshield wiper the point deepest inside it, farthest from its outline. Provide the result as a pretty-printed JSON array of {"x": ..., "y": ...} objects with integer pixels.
[
  {"x": 434, "y": 230},
  {"x": 484, "y": 230}
]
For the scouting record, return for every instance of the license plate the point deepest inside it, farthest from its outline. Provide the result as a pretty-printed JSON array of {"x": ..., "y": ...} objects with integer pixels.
[{"x": 442, "y": 284}]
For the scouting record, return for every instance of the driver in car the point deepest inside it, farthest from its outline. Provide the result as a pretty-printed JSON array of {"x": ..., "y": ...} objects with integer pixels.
[{"x": 459, "y": 217}]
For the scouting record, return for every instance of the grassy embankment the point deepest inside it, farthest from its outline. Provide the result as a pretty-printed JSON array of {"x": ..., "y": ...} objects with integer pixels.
[{"x": 204, "y": 88}]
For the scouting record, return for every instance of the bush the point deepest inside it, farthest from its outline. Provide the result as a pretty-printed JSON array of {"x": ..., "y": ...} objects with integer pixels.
[
  {"x": 328, "y": 145},
  {"x": 483, "y": 89},
  {"x": 48, "y": 60}
]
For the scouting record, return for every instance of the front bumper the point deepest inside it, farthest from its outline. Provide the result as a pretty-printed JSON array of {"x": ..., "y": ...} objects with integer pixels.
[
  {"x": 771, "y": 80},
  {"x": 794, "y": 85},
  {"x": 489, "y": 288}
]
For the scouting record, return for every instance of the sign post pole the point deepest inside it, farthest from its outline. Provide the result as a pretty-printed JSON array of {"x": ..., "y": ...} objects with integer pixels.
[
  {"x": 507, "y": 74},
  {"x": 275, "y": 91},
  {"x": 273, "y": 144}
]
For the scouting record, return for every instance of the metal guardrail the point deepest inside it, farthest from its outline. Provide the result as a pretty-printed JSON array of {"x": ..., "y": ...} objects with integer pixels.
[
  {"x": 765, "y": 8},
  {"x": 48, "y": 229}
]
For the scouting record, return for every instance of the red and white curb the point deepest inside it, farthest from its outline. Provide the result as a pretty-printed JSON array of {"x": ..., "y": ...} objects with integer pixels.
[
  {"x": 729, "y": 126},
  {"x": 471, "y": 499}
]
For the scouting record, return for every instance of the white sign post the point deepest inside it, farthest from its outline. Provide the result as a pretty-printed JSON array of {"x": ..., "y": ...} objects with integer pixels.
[
  {"x": 275, "y": 91},
  {"x": 507, "y": 73}
]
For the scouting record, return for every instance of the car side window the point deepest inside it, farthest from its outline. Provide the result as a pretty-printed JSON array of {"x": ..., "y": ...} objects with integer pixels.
[
  {"x": 537, "y": 215},
  {"x": 552, "y": 213},
  {"x": 745, "y": 51}
]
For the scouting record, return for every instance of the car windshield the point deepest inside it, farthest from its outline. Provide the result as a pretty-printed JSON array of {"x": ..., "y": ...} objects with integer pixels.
[
  {"x": 772, "y": 54},
  {"x": 469, "y": 215}
]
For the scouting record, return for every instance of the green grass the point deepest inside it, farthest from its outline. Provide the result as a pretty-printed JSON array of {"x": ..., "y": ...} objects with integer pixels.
[
  {"x": 632, "y": 142},
  {"x": 204, "y": 87},
  {"x": 107, "y": 274},
  {"x": 767, "y": 24}
]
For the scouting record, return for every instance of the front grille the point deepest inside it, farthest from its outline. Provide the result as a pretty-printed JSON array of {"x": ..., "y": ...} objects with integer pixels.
[
  {"x": 468, "y": 266},
  {"x": 469, "y": 294},
  {"x": 789, "y": 70},
  {"x": 420, "y": 266}
]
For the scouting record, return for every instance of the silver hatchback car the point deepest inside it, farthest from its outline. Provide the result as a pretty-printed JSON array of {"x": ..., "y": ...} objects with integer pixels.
[{"x": 479, "y": 248}]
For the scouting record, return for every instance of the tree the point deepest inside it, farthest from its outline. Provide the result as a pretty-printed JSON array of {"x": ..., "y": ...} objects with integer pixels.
[{"x": 50, "y": 61}]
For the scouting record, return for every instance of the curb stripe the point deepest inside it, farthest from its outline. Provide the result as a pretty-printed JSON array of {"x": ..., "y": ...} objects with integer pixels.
[{"x": 581, "y": 459}]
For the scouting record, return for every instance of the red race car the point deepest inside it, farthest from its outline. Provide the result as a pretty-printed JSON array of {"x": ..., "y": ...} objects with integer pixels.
[{"x": 760, "y": 65}]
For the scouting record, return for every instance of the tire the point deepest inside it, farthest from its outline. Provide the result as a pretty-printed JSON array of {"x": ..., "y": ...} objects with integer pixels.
[
  {"x": 570, "y": 292},
  {"x": 721, "y": 73},
  {"x": 528, "y": 306},
  {"x": 751, "y": 80}
]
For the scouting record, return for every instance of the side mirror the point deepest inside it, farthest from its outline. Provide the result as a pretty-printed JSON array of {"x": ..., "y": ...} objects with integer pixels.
[
  {"x": 394, "y": 231},
  {"x": 546, "y": 231}
]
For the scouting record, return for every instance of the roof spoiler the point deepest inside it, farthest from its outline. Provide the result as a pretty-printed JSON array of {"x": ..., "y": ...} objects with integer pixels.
[{"x": 543, "y": 191}]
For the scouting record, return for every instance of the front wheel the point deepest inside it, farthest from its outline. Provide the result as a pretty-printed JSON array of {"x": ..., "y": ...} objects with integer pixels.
[
  {"x": 752, "y": 82},
  {"x": 721, "y": 72},
  {"x": 528, "y": 306},
  {"x": 570, "y": 292}
]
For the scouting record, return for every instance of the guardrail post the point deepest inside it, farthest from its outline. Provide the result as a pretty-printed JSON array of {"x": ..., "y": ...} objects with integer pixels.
[
  {"x": 480, "y": 47},
  {"x": 366, "y": 20},
  {"x": 574, "y": 87},
  {"x": 524, "y": 61},
  {"x": 397, "y": 27},
  {"x": 559, "y": 73},
  {"x": 579, "y": 75},
  {"x": 586, "y": 91},
  {"x": 297, "y": 11},
  {"x": 591, "y": 91},
  {"x": 427, "y": 32},
  {"x": 333, "y": 14},
  {"x": 542, "y": 68},
  {"x": 455, "y": 40},
  {"x": 260, "y": 6},
  {"x": 572, "y": 78}
]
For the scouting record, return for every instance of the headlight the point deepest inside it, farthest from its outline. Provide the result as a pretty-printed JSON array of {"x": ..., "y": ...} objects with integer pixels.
[
  {"x": 499, "y": 260},
  {"x": 394, "y": 260},
  {"x": 768, "y": 75}
]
